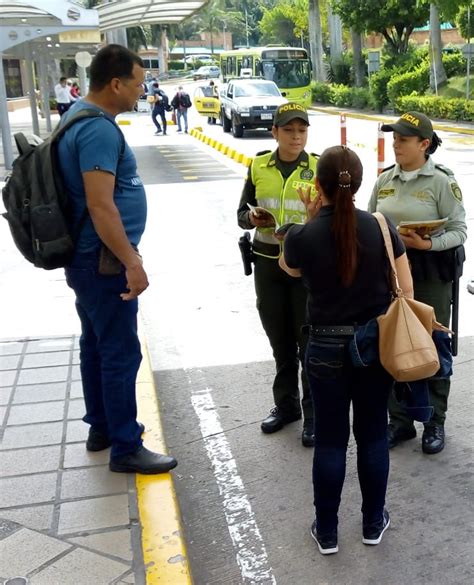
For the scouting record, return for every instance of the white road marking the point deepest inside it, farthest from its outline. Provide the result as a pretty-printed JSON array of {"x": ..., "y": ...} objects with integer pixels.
[{"x": 246, "y": 538}]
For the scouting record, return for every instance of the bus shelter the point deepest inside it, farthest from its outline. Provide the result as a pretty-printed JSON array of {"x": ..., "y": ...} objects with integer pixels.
[{"x": 36, "y": 31}]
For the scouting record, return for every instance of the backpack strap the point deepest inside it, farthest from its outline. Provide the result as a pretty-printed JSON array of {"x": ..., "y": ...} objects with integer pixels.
[{"x": 60, "y": 130}]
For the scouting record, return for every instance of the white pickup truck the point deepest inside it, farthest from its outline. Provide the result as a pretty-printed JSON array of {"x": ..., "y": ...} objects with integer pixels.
[{"x": 249, "y": 103}]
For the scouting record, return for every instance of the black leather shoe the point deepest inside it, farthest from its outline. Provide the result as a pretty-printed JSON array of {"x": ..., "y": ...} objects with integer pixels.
[
  {"x": 97, "y": 441},
  {"x": 307, "y": 436},
  {"x": 396, "y": 435},
  {"x": 143, "y": 461},
  {"x": 432, "y": 440},
  {"x": 277, "y": 419}
]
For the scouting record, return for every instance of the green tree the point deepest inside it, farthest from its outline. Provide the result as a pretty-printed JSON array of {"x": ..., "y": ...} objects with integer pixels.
[
  {"x": 393, "y": 19},
  {"x": 285, "y": 23},
  {"x": 465, "y": 25}
]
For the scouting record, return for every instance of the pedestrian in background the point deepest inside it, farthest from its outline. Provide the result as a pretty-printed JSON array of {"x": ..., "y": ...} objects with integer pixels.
[
  {"x": 63, "y": 96},
  {"x": 108, "y": 214},
  {"x": 160, "y": 106},
  {"x": 416, "y": 188},
  {"x": 181, "y": 102},
  {"x": 272, "y": 184},
  {"x": 340, "y": 254}
]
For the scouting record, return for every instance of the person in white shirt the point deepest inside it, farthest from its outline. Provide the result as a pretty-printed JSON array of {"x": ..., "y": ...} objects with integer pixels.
[{"x": 63, "y": 96}]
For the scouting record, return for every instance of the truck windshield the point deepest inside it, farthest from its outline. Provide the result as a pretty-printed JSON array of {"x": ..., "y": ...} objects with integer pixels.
[
  {"x": 287, "y": 74},
  {"x": 256, "y": 88}
]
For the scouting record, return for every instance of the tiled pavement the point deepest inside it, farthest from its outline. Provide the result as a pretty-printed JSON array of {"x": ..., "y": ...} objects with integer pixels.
[{"x": 64, "y": 518}]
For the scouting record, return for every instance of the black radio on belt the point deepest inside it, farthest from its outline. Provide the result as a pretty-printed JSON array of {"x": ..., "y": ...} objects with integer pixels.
[{"x": 245, "y": 246}]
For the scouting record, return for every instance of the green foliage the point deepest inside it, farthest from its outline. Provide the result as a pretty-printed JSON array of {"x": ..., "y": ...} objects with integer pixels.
[
  {"x": 417, "y": 80},
  {"x": 340, "y": 71},
  {"x": 340, "y": 95},
  {"x": 360, "y": 97},
  {"x": 438, "y": 107},
  {"x": 378, "y": 87},
  {"x": 456, "y": 87},
  {"x": 175, "y": 65},
  {"x": 321, "y": 92},
  {"x": 285, "y": 22},
  {"x": 454, "y": 64},
  {"x": 462, "y": 24},
  {"x": 394, "y": 19}
]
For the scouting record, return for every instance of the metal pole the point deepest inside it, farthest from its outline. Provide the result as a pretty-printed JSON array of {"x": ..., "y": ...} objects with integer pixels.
[
  {"x": 468, "y": 66},
  {"x": 43, "y": 79},
  {"x": 82, "y": 79},
  {"x": 4, "y": 122},
  {"x": 31, "y": 89}
]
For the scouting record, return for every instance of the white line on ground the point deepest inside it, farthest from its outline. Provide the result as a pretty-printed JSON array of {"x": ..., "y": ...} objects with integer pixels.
[{"x": 246, "y": 538}]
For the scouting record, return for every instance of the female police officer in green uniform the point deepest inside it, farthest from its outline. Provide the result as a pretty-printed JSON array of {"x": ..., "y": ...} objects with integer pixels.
[
  {"x": 417, "y": 189},
  {"x": 272, "y": 184}
]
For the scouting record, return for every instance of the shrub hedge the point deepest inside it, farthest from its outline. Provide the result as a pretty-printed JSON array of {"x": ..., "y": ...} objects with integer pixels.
[{"x": 438, "y": 107}]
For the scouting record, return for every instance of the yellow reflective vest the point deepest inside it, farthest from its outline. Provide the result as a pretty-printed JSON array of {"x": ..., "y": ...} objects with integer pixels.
[{"x": 280, "y": 196}]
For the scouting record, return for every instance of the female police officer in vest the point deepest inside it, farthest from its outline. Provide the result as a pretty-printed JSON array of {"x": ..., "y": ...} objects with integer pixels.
[
  {"x": 417, "y": 189},
  {"x": 272, "y": 185}
]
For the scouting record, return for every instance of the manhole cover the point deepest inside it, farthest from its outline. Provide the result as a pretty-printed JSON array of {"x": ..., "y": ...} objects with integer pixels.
[{"x": 16, "y": 581}]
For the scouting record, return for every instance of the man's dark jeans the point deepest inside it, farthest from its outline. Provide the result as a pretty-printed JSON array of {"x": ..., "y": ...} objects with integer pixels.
[
  {"x": 154, "y": 115},
  {"x": 334, "y": 384},
  {"x": 109, "y": 352}
]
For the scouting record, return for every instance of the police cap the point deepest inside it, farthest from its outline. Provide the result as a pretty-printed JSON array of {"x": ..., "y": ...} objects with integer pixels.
[
  {"x": 411, "y": 124},
  {"x": 290, "y": 111}
]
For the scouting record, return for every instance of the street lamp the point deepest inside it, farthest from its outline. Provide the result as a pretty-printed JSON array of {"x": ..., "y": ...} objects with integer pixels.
[{"x": 224, "y": 27}]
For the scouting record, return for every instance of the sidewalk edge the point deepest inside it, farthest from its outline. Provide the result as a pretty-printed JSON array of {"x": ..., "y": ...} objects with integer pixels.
[{"x": 164, "y": 549}]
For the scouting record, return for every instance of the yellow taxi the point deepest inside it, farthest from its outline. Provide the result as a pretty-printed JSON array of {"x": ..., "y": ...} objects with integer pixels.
[{"x": 206, "y": 101}]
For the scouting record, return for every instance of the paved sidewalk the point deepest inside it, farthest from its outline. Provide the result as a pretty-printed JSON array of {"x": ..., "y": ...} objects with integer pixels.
[{"x": 61, "y": 508}]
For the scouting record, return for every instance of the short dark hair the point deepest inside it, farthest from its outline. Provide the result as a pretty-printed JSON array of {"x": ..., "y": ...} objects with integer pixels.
[
  {"x": 110, "y": 62},
  {"x": 62, "y": 79}
]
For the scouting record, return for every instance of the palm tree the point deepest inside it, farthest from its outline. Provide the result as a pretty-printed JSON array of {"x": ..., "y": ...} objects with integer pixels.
[
  {"x": 316, "y": 41},
  {"x": 438, "y": 75}
]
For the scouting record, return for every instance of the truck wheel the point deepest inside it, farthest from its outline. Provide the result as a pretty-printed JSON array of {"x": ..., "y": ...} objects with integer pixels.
[
  {"x": 225, "y": 122},
  {"x": 237, "y": 129}
]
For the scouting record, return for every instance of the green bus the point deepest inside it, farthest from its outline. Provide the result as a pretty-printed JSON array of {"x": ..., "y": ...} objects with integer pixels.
[{"x": 288, "y": 67}]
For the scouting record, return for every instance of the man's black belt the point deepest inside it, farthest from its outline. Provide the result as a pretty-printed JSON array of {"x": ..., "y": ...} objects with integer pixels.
[{"x": 331, "y": 330}]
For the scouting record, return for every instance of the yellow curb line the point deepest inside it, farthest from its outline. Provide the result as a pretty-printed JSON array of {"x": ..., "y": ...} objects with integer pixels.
[
  {"x": 376, "y": 118},
  {"x": 222, "y": 148},
  {"x": 164, "y": 549}
]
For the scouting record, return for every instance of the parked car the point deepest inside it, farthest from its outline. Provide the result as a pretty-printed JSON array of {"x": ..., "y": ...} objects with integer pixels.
[
  {"x": 207, "y": 72},
  {"x": 249, "y": 103},
  {"x": 206, "y": 102}
]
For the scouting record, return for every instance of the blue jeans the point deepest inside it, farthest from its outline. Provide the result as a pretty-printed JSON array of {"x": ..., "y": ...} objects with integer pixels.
[
  {"x": 154, "y": 115},
  {"x": 109, "y": 352},
  {"x": 182, "y": 114},
  {"x": 335, "y": 383}
]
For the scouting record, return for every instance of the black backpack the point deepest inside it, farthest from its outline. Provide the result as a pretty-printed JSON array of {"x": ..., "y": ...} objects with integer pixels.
[
  {"x": 186, "y": 100},
  {"x": 37, "y": 203}
]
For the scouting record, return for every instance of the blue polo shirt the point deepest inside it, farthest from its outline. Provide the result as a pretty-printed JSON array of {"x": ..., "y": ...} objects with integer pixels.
[{"x": 96, "y": 144}]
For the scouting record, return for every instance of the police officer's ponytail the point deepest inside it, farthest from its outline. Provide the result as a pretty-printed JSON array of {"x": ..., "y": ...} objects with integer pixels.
[{"x": 435, "y": 142}]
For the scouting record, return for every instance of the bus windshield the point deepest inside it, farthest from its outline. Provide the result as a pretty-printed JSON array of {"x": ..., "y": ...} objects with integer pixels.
[
  {"x": 255, "y": 88},
  {"x": 287, "y": 74}
]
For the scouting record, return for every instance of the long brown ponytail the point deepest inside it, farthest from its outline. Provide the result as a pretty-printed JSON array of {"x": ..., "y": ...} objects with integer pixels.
[{"x": 340, "y": 176}]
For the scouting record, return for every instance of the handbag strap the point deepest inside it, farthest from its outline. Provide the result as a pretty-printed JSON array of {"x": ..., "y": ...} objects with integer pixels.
[{"x": 396, "y": 290}]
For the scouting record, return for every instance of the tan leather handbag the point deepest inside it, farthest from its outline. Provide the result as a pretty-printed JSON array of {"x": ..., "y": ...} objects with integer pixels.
[{"x": 406, "y": 346}]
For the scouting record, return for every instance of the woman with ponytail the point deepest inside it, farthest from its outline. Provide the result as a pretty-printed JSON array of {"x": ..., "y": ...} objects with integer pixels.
[
  {"x": 340, "y": 255},
  {"x": 418, "y": 189}
]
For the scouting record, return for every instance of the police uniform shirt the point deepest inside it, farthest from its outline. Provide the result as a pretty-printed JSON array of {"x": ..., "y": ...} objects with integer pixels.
[
  {"x": 249, "y": 193},
  {"x": 431, "y": 194}
]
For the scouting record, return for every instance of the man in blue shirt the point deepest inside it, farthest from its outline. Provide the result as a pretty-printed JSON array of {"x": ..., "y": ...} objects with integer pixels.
[{"x": 108, "y": 210}]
